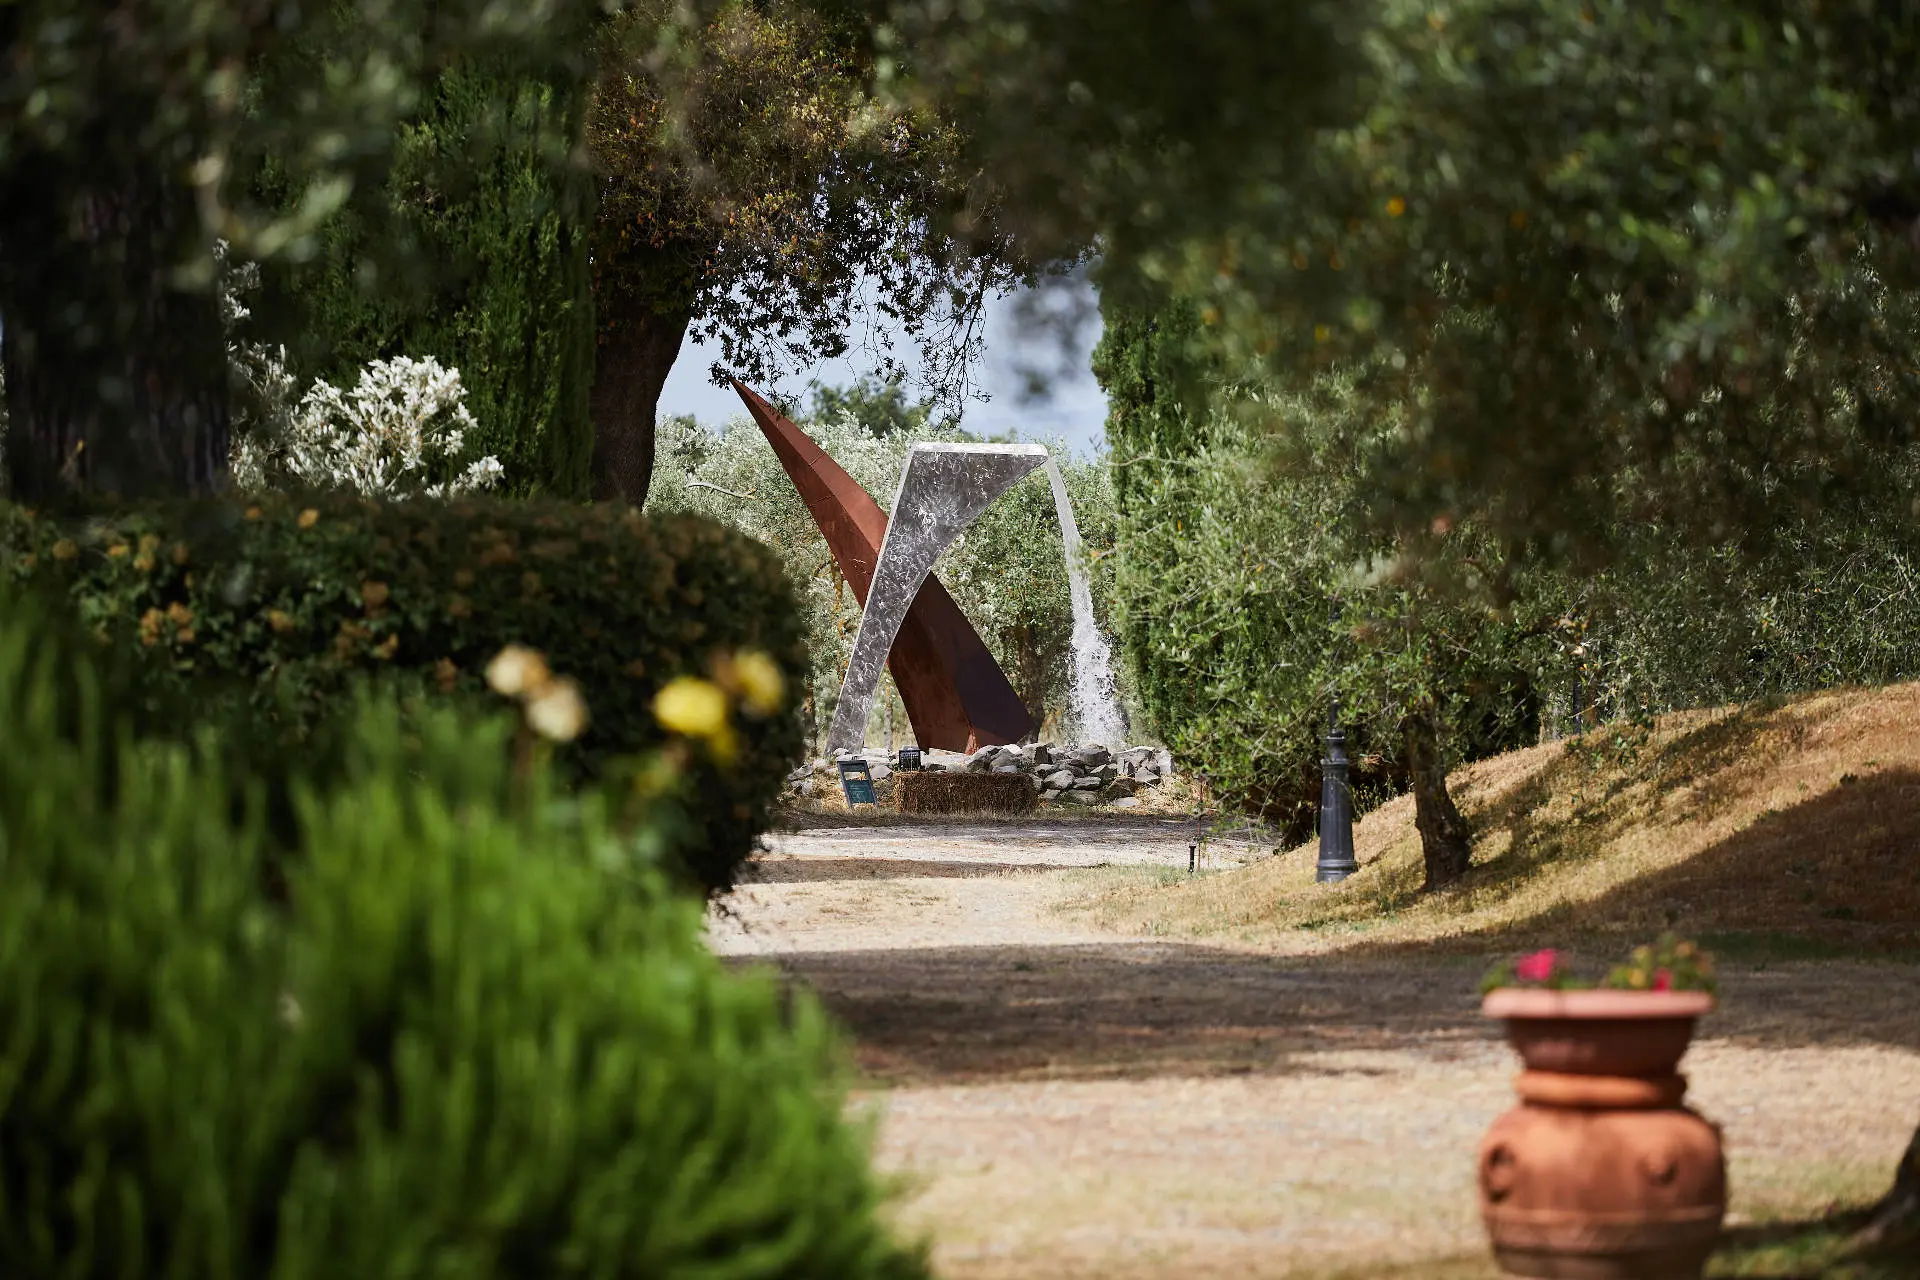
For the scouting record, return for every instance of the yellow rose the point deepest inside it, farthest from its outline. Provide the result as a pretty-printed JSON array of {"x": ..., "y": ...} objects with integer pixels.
[
  {"x": 762, "y": 688},
  {"x": 697, "y": 708},
  {"x": 374, "y": 594},
  {"x": 308, "y": 518},
  {"x": 280, "y": 620},
  {"x": 65, "y": 549}
]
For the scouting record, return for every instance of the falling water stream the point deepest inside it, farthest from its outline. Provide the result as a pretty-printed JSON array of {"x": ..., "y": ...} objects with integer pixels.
[{"x": 1096, "y": 711}]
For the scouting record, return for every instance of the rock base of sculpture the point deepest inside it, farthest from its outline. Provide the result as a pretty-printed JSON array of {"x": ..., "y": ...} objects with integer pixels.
[{"x": 1062, "y": 775}]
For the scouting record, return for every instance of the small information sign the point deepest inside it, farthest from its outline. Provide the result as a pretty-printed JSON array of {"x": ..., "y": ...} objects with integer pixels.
[
  {"x": 909, "y": 758},
  {"x": 857, "y": 782}
]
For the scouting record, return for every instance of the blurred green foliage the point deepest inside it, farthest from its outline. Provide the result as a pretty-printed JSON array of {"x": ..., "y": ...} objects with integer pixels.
[
  {"x": 1612, "y": 261},
  {"x": 282, "y": 604},
  {"x": 463, "y": 1037}
]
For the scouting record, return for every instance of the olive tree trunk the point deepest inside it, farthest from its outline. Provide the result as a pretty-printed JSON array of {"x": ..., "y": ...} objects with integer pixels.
[
  {"x": 638, "y": 343},
  {"x": 115, "y": 372},
  {"x": 1899, "y": 1210},
  {"x": 1446, "y": 841}
]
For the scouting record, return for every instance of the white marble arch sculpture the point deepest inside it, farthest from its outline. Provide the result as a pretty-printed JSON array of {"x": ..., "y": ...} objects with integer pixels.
[{"x": 943, "y": 489}]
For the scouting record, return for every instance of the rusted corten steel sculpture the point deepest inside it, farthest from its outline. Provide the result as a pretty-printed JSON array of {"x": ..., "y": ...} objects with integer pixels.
[{"x": 956, "y": 696}]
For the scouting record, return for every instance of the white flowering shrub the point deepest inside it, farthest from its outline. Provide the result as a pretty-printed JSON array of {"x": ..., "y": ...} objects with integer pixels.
[{"x": 400, "y": 432}]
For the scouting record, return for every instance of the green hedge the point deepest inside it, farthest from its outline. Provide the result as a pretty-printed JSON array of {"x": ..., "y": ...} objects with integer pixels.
[
  {"x": 285, "y": 602},
  {"x": 467, "y": 1039}
]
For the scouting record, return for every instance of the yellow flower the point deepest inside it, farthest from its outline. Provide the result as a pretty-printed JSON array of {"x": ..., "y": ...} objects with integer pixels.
[
  {"x": 117, "y": 550},
  {"x": 762, "y": 688},
  {"x": 697, "y": 708},
  {"x": 308, "y": 518},
  {"x": 463, "y": 578},
  {"x": 374, "y": 594},
  {"x": 445, "y": 674},
  {"x": 1396, "y": 206},
  {"x": 280, "y": 620},
  {"x": 556, "y": 711},
  {"x": 253, "y": 513},
  {"x": 180, "y": 615},
  {"x": 385, "y": 649},
  {"x": 180, "y": 553},
  {"x": 65, "y": 549},
  {"x": 517, "y": 671}
]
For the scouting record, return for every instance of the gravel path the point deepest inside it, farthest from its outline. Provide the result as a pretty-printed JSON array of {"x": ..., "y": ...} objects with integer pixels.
[{"x": 1063, "y": 1102}]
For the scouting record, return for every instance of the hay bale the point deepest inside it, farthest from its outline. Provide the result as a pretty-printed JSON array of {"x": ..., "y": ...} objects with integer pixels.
[{"x": 917, "y": 792}]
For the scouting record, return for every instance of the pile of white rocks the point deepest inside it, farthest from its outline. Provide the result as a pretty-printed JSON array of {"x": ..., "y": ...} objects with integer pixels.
[{"x": 1064, "y": 774}]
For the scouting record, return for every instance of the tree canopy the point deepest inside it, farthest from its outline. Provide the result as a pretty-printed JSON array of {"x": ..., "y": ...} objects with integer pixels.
[
  {"x": 756, "y": 192},
  {"x": 1619, "y": 259}
]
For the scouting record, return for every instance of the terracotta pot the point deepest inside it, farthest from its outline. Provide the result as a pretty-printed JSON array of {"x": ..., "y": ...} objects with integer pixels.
[{"x": 1600, "y": 1173}]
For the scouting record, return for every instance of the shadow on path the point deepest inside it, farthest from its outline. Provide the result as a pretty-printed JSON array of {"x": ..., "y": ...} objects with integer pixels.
[
  {"x": 811, "y": 870},
  {"x": 1131, "y": 1010}
]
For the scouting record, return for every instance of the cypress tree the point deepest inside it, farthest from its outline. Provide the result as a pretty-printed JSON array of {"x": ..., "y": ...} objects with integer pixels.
[{"x": 473, "y": 251}]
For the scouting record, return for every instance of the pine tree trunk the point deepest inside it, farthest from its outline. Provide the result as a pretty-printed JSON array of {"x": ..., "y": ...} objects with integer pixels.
[
  {"x": 1446, "y": 841},
  {"x": 637, "y": 347},
  {"x": 115, "y": 375}
]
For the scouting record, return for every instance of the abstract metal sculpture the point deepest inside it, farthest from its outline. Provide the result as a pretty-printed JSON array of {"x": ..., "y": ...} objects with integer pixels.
[
  {"x": 956, "y": 696},
  {"x": 943, "y": 488}
]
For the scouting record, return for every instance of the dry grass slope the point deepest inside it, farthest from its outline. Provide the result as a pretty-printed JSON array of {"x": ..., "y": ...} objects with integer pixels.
[{"x": 1793, "y": 827}]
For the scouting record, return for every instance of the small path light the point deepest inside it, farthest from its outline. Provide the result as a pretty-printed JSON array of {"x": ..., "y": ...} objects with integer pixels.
[{"x": 1336, "y": 807}]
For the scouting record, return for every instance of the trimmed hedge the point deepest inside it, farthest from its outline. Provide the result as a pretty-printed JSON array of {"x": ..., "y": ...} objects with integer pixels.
[
  {"x": 471, "y": 1039},
  {"x": 284, "y": 603},
  {"x": 916, "y": 791}
]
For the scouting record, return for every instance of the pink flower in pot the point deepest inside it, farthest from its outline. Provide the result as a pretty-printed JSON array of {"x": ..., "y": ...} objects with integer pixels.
[{"x": 1537, "y": 967}]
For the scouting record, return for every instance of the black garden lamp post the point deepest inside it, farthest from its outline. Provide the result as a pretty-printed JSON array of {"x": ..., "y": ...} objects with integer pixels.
[{"x": 1336, "y": 807}]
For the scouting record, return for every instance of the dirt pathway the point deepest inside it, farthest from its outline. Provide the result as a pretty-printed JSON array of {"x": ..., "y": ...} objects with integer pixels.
[{"x": 1063, "y": 1102}]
